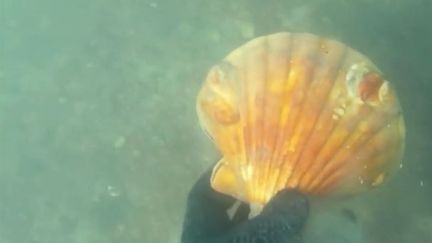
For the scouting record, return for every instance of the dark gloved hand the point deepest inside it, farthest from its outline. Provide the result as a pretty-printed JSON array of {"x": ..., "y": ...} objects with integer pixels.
[{"x": 207, "y": 221}]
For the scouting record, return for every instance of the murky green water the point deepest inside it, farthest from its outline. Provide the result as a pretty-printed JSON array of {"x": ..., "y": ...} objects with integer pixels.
[{"x": 99, "y": 140}]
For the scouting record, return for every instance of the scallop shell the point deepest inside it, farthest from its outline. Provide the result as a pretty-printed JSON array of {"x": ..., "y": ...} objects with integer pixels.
[{"x": 295, "y": 110}]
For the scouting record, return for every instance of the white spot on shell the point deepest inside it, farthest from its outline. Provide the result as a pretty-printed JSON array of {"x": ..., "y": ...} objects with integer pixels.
[
  {"x": 353, "y": 78},
  {"x": 339, "y": 111},
  {"x": 421, "y": 183},
  {"x": 248, "y": 172},
  {"x": 383, "y": 91}
]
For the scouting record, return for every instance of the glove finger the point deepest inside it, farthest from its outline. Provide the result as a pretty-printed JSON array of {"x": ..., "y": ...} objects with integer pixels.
[{"x": 291, "y": 204}]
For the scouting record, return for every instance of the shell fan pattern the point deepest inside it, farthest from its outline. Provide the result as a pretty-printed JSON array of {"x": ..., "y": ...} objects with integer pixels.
[{"x": 295, "y": 110}]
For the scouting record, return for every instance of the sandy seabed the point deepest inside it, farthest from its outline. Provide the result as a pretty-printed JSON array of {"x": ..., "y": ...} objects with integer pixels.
[{"x": 99, "y": 140}]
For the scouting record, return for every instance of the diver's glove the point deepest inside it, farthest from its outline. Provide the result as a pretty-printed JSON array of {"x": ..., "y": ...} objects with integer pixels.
[{"x": 207, "y": 220}]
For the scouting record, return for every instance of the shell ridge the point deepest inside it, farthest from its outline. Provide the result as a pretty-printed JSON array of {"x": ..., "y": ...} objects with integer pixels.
[
  {"x": 334, "y": 79},
  {"x": 309, "y": 131},
  {"x": 299, "y": 114},
  {"x": 250, "y": 118},
  {"x": 265, "y": 131},
  {"x": 326, "y": 161},
  {"x": 237, "y": 86},
  {"x": 336, "y": 172},
  {"x": 246, "y": 127},
  {"x": 395, "y": 146},
  {"x": 289, "y": 118},
  {"x": 261, "y": 156},
  {"x": 320, "y": 176},
  {"x": 236, "y": 142},
  {"x": 317, "y": 57},
  {"x": 278, "y": 134},
  {"x": 253, "y": 122},
  {"x": 242, "y": 133},
  {"x": 313, "y": 165},
  {"x": 325, "y": 171}
]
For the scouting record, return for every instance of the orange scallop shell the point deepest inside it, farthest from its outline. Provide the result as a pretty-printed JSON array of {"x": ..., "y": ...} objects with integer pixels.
[{"x": 295, "y": 110}]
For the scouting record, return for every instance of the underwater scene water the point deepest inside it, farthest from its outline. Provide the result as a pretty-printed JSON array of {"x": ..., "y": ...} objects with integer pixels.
[{"x": 99, "y": 137}]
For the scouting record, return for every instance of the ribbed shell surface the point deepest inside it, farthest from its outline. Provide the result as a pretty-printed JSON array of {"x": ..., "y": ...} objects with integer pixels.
[{"x": 300, "y": 111}]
